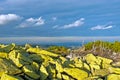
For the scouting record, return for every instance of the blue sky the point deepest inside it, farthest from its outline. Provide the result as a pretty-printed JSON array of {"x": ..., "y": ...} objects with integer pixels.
[{"x": 57, "y": 18}]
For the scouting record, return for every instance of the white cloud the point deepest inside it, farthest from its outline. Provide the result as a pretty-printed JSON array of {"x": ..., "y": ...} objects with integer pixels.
[
  {"x": 56, "y": 26},
  {"x": 54, "y": 18},
  {"x": 101, "y": 27},
  {"x": 6, "y": 18},
  {"x": 77, "y": 23},
  {"x": 30, "y": 22}
]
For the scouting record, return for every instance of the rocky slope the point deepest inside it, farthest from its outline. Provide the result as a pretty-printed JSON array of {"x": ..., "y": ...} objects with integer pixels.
[{"x": 34, "y": 63}]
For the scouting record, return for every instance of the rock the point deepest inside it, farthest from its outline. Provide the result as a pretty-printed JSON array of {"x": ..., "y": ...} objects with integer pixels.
[
  {"x": 59, "y": 76},
  {"x": 86, "y": 66},
  {"x": 101, "y": 72},
  {"x": 62, "y": 59},
  {"x": 47, "y": 60},
  {"x": 52, "y": 72},
  {"x": 59, "y": 67},
  {"x": 7, "y": 67},
  {"x": 35, "y": 66},
  {"x": 65, "y": 77},
  {"x": 91, "y": 59},
  {"x": 39, "y": 51},
  {"x": 3, "y": 55},
  {"x": 36, "y": 58},
  {"x": 78, "y": 63},
  {"x": 113, "y": 77},
  {"x": 76, "y": 73},
  {"x": 43, "y": 73},
  {"x": 68, "y": 63},
  {"x": 7, "y": 48},
  {"x": 94, "y": 66},
  {"x": 114, "y": 70},
  {"x": 93, "y": 78},
  {"x": 9, "y": 77},
  {"x": 28, "y": 70},
  {"x": 18, "y": 59},
  {"x": 105, "y": 62}
]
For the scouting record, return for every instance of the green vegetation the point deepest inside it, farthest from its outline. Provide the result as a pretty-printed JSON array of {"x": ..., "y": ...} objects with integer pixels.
[
  {"x": 34, "y": 63},
  {"x": 114, "y": 46}
]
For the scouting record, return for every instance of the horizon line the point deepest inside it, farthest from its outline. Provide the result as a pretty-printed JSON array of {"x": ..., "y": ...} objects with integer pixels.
[{"x": 38, "y": 39}]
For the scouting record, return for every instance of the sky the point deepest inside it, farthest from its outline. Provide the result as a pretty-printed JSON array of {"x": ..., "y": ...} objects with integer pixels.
[{"x": 59, "y": 18}]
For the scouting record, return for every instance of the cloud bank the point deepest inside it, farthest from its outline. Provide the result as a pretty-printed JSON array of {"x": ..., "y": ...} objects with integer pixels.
[{"x": 7, "y": 18}]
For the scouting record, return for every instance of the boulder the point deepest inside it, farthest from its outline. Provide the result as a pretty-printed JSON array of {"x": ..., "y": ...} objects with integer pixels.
[
  {"x": 114, "y": 70},
  {"x": 39, "y": 51},
  {"x": 9, "y": 77},
  {"x": 3, "y": 55},
  {"x": 65, "y": 77},
  {"x": 76, "y": 73},
  {"x": 28, "y": 70},
  {"x": 113, "y": 77},
  {"x": 91, "y": 59},
  {"x": 7, "y": 67},
  {"x": 18, "y": 59},
  {"x": 43, "y": 73}
]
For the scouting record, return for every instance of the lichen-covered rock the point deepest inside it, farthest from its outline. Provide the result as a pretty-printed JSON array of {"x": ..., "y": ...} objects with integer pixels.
[
  {"x": 9, "y": 77},
  {"x": 62, "y": 59},
  {"x": 7, "y": 48},
  {"x": 18, "y": 59},
  {"x": 86, "y": 66},
  {"x": 39, "y": 51},
  {"x": 76, "y": 73},
  {"x": 91, "y": 59},
  {"x": 24, "y": 58},
  {"x": 43, "y": 73},
  {"x": 68, "y": 63},
  {"x": 3, "y": 55},
  {"x": 78, "y": 63},
  {"x": 36, "y": 58},
  {"x": 59, "y": 76},
  {"x": 7, "y": 67},
  {"x": 94, "y": 66},
  {"x": 35, "y": 66},
  {"x": 47, "y": 60},
  {"x": 26, "y": 77},
  {"x": 105, "y": 63},
  {"x": 114, "y": 70},
  {"x": 92, "y": 78},
  {"x": 101, "y": 72},
  {"x": 105, "y": 60},
  {"x": 65, "y": 77},
  {"x": 52, "y": 72},
  {"x": 28, "y": 70},
  {"x": 113, "y": 77},
  {"x": 59, "y": 67}
]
